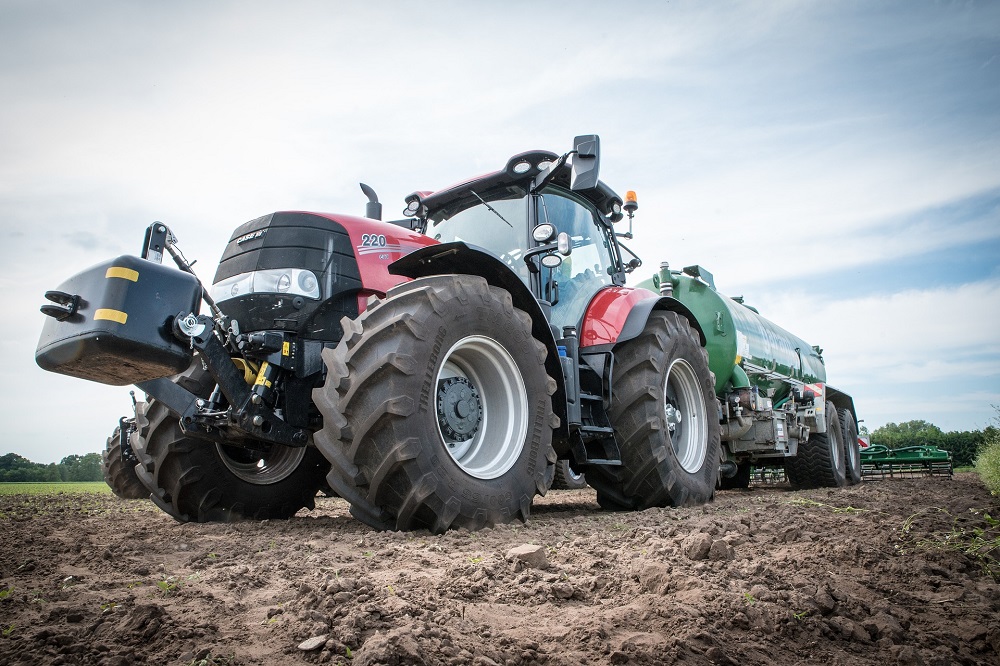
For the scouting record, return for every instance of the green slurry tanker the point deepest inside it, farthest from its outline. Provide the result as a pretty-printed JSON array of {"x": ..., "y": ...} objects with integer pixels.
[{"x": 776, "y": 407}]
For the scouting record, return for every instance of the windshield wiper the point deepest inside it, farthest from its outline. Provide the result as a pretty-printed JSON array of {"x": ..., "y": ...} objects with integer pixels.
[{"x": 494, "y": 210}]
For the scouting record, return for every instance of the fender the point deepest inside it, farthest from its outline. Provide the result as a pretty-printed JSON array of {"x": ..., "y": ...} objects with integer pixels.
[
  {"x": 457, "y": 257},
  {"x": 618, "y": 314},
  {"x": 841, "y": 400}
]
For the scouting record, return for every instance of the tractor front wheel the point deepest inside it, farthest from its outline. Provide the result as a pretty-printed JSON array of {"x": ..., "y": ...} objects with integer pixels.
[
  {"x": 118, "y": 465},
  {"x": 437, "y": 410},
  {"x": 195, "y": 480},
  {"x": 665, "y": 416}
]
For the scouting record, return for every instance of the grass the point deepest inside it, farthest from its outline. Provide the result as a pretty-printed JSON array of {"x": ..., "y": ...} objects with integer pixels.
[
  {"x": 55, "y": 488},
  {"x": 988, "y": 465},
  {"x": 976, "y": 536}
]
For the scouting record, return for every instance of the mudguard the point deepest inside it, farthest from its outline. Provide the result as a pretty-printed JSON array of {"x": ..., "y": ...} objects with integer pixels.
[{"x": 617, "y": 314}]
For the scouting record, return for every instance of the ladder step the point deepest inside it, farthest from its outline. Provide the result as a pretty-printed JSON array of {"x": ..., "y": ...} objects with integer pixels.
[{"x": 596, "y": 430}]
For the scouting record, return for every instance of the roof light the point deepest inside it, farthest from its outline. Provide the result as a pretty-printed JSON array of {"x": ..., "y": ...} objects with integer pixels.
[
  {"x": 522, "y": 167},
  {"x": 631, "y": 202}
]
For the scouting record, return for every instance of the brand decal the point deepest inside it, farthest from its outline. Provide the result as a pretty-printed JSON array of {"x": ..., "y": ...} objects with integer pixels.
[{"x": 253, "y": 235}]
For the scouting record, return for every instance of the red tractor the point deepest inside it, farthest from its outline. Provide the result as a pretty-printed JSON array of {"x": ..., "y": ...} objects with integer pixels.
[{"x": 431, "y": 371}]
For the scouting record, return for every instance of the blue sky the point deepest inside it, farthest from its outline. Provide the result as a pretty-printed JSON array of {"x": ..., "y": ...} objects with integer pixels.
[{"x": 837, "y": 163}]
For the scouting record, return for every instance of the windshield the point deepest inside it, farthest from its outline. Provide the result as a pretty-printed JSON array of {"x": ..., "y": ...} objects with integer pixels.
[{"x": 478, "y": 225}]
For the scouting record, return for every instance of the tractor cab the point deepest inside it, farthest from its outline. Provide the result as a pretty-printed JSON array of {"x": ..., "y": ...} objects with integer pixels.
[{"x": 547, "y": 217}]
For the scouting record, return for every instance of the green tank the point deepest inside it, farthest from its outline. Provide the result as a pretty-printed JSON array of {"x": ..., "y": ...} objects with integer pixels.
[{"x": 744, "y": 348}]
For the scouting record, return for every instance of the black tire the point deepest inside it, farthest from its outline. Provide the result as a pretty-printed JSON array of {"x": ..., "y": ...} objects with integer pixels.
[
  {"x": 400, "y": 450},
  {"x": 666, "y": 460},
  {"x": 820, "y": 460},
  {"x": 567, "y": 478},
  {"x": 118, "y": 466},
  {"x": 195, "y": 480},
  {"x": 852, "y": 452},
  {"x": 740, "y": 480}
]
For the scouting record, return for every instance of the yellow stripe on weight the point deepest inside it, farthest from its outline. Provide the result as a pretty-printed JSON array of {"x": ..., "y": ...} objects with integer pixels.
[
  {"x": 123, "y": 273},
  {"x": 110, "y": 315}
]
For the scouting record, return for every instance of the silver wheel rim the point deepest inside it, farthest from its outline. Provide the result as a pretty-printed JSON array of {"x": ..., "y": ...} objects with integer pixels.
[
  {"x": 687, "y": 416},
  {"x": 262, "y": 469},
  {"x": 499, "y": 439}
]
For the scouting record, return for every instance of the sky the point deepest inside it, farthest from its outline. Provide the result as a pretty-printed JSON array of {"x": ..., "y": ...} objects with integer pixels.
[{"x": 835, "y": 163}]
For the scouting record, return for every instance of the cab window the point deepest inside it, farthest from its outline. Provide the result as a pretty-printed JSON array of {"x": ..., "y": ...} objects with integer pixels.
[{"x": 589, "y": 267}]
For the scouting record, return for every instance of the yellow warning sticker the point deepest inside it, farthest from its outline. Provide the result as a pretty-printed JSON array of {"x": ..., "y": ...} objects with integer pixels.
[
  {"x": 110, "y": 315},
  {"x": 123, "y": 273},
  {"x": 285, "y": 348}
]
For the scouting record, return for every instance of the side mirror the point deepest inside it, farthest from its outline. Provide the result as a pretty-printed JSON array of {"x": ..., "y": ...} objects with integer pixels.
[{"x": 586, "y": 162}]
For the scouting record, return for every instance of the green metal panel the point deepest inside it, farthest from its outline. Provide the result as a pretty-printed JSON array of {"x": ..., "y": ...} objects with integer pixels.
[{"x": 736, "y": 333}]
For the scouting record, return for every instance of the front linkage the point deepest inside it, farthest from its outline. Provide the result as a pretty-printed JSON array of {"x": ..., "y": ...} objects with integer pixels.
[{"x": 249, "y": 420}]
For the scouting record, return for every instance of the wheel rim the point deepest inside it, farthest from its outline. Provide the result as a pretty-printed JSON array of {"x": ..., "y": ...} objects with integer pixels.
[
  {"x": 482, "y": 407},
  {"x": 261, "y": 469},
  {"x": 836, "y": 446},
  {"x": 687, "y": 417}
]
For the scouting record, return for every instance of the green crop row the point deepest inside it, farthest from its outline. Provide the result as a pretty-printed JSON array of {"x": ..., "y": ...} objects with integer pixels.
[{"x": 54, "y": 488}]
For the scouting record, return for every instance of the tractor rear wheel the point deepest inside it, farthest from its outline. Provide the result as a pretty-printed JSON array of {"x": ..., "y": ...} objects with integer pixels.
[
  {"x": 437, "y": 409},
  {"x": 820, "y": 460},
  {"x": 118, "y": 465},
  {"x": 195, "y": 480},
  {"x": 852, "y": 453},
  {"x": 567, "y": 478},
  {"x": 665, "y": 416}
]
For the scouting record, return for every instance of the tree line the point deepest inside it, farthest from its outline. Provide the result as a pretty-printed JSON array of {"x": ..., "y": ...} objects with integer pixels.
[
  {"x": 963, "y": 445},
  {"x": 15, "y": 468}
]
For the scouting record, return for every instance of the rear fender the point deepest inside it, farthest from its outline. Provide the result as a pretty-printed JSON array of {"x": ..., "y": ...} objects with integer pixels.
[
  {"x": 841, "y": 400},
  {"x": 618, "y": 314},
  {"x": 459, "y": 258}
]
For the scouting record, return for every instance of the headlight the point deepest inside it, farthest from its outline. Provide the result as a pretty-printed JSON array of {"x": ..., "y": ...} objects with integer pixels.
[{"x": 290, "y": 281}]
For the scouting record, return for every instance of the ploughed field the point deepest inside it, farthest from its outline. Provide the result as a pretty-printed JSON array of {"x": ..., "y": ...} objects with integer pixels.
[{"x": 890, "y": 571}]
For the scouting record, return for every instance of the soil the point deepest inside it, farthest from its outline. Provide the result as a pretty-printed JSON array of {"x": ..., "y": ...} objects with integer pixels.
[{"x": 861, "y": 575}]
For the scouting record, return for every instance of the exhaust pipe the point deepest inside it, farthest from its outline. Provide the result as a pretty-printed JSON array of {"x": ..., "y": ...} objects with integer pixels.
[{"x": 373, "y": 209}]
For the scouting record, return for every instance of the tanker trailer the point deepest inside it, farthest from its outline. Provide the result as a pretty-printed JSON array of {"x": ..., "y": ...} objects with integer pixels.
[{"x": 776, "y": 407}]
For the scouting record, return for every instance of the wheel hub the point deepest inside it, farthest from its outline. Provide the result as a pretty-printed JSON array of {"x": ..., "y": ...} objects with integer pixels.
[
  {"x": 673, "y": 418},
  {"x": 459, "y": 408}
]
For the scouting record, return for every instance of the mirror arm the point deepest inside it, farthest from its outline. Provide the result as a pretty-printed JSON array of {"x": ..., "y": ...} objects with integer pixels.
[
  {"x": 635, "y": 262},
  {"x": 530, "y": 255},
  {"x": 546, "y": 176}
]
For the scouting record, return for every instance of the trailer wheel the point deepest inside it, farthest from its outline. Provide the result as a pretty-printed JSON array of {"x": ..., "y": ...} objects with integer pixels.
[
  {"x": 118, "y": 466},
  {"x": 567, "y": 478},
  {"x": 820, "y": 460},
  {"x": 665, "y": 416},
  {"x": 740, "y": 480},
  {"x": 194, "y": 480},
  {"x": 852, "y": 453},
  {"x": 437, "y": 409}
]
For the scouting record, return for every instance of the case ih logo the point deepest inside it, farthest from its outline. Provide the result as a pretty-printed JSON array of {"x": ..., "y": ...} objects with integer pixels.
[{"x": 253, "y": 235}]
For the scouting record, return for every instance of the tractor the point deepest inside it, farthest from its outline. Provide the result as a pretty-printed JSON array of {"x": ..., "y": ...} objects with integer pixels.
[{"x": 432, "y": 371}]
